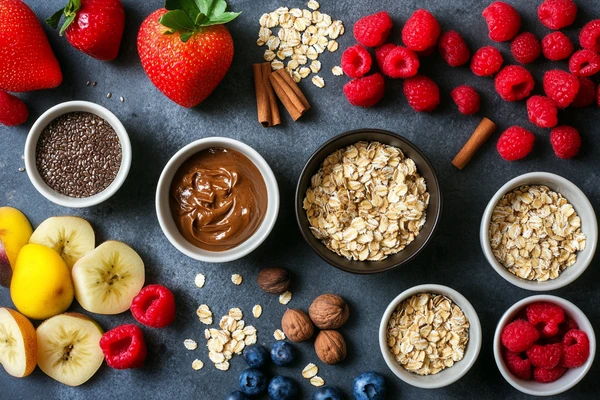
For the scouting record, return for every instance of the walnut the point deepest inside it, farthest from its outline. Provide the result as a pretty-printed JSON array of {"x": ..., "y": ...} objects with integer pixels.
[
  {"x": 274, "y": 280},
  {"x": 297, "y": 326},
  {"x": 329, "y": 311},
  {"x": 330, "y": 347}
]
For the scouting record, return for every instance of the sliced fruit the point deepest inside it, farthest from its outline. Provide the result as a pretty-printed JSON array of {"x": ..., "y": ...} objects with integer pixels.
[
  {"x": 108, "y": 278},
  {"x": 15, "y": 231},
  {"x": 18, "y": 343},
  {"x": 69, "y": 348},
  {"x": 71, "y": 237}
]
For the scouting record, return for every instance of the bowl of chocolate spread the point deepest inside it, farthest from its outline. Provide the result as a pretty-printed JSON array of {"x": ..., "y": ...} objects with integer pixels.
[{"x": 217, "y": 200}]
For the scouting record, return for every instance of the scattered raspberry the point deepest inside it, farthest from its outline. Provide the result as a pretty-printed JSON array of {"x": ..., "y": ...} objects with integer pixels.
[
  {"x": 557, "y": 14},
  {"x": 565, "y": 142},
  {"x": 154, "y": 306},
  {"x": 382, "y": 52},
  {"x": 584, "y": 63},
  {"x": 576, "y": 349},
  {"x": 514, "y": 83},
  {"x": 542, "y": 111},
  {"x": 422, "y": 93},
  {"x": 365, "y": 92},
  {"x": 561, "y": 87},
  {"x": 519, "y": 335},
  {"x": 486, "y": 61},
  {"x": 466, "y": 99},
  {"x": 12, "y": 110},
  {"x": 454, "y": 49},
  {"x": 556, "y": 46},
  {"x": 546, "y": 317},
  {"x": 124, "y": 347},
  {"x": 373, "y": 30},
  {"x": 356, "y": 61},
  {"x": 586, "y": 94},
  {"x": 526, "y": 48},
  {"x": 421, "y": 31},
  {"x": 521, "y": 368},
  {"x": 589, "y": 36},
  {"x": 547, "y": 356},
  {"x": 400, "y": 63},
  {"x": 502, "y": 20},
  {"x": 514, "y": 144},
  {"x": 543, "y": 375}
]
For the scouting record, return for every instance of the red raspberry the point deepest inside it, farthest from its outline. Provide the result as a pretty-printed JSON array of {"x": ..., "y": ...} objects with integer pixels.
[
  {"x": 365, "y": 92},
  {"x": 584, "y": 63},
  {"x": 422, "y": 93},
  {"x": 561, "y": 87},
  {"x": 546, "y": 317},
  {"x": 514, "y": 144},
  {"x": 589, "y": 36},
  {"x": 547, "y": 356},
  {"x": 502, "y": 20},
  {"x": 576, "y": 349},
  {"x": 466, "y": 99},
  {"x": 556, "y": 46},
  {"x": 373, "y": 30},
  {"x": 542, "y": 111},
  {"x": 525, "y": 48},
  {"x": 356, "y": 61},
  {"x": 544, "y": 375},
  {"x": 421, "y": 31},
  {"x": 514, "y": 83},
  {"x": 521, "y": 368},
  {"x": 382, "y": 52},
  {"x": 519, "y": 335},
  {"x": 124, "y": 347},
  {"x": 565, "y": 142},
  {"x": 486, "y": 61},
  {"x": 563, "y": 328},
  {"x": 12, "y": 110},
  {"x": 400, "y": 63},
  {"x": 557, "y": 14},
  {"x": 154, "y": 306},
  {"x": 586, "y": 94},
  {"x": 454, "y": 49}
]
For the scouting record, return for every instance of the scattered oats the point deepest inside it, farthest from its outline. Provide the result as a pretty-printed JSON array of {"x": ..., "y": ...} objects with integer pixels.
[
  {"x": 310, "y": 371},
  {"x": 332, "y": 46},
  {"x": 197, "y": 365},
  {"x": 231, "y": 339},
  {"x": 279, "y": 335},
  {"x": 312, "y": 54},
  {"x": 292, "y": 64},
  {"x": 190, "y": 344},
  {"x": 249, "y": 330},
  {"x": 205, "y": 315},
  {"x": 276, "y": 64},
  {"x": 200, "y": 280},
  {"x": 296, "y": 76},
  {"x": 224, "y": 366},
  {"x": 337, "y": 71},
  {"x": 313, "y": 5},
  {"x": 122, "y": 99},
  {"x": 250, "y": 340},
  {"x": 21, "y": 169},
  {"x": 315, "y": 66},
  {"x": 257, "y": 311},
  {"x": 318, "y": 81},
  {"x": 304, "y": 72},
  {"x": 236, "y": 279},
  {"x": 269, "y": 55},
  {"x": 285, "y": 297},
  {"x": 317, "y": 381},
  {"x": 108, "y": 95},
  {"x": 236, "y": 314}
]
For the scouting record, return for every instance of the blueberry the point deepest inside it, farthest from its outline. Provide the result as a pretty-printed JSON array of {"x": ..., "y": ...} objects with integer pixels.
[
  {"x": 328, "y": 393},
  {"x": 283, "y": 388},
  {"x": 282, "y": 353},
  {"x": 253, "y": 382},
  {"x": 237, "y": 395},
  {"x": 369, "y": 386},
  {"x": 256, "y": 356}
]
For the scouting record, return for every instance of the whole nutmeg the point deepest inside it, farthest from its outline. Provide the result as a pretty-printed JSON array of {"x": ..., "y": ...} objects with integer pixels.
[
  {"x": 329, "y": 311},
  {"x": 297, "y": 326},
  {"x": 330, "y": 347},
  {"x": 274, "y": 280}
]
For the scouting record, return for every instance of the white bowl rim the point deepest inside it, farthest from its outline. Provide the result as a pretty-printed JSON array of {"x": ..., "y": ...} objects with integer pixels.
[
  {"x": 448, "y": 375},
  {"x": 583, "y": 260},
  {"x": 31, "y": 146},
  {"x": 512, "y": 311}
]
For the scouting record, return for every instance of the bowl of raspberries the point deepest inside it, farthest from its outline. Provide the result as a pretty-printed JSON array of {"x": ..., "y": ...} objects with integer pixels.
[{"x": 544, "y": 345}]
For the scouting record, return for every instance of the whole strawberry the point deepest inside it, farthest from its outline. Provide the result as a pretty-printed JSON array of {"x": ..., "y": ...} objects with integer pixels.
[
  {"x": 186, "y": 50},
  {"x": 94, "y": 27},
  {"x": 26, "y": 59}
]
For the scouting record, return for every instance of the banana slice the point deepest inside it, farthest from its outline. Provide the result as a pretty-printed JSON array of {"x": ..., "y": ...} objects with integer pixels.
[
  {"x": 71, "y": 237},
  {"x": 108, "y": 278},
  {"x": 69, "y": 348},
  {"x": 18, "y": 345}
]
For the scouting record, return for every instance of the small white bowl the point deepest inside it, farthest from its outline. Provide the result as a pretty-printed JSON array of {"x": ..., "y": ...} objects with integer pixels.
[
  {"x": 167, "y": 222},
  {"x": 31, "y": 145},
  {"x": 583, "y": 207},
  {"x": 572, "y": 376},
  {"x": 448, "y": 375}
]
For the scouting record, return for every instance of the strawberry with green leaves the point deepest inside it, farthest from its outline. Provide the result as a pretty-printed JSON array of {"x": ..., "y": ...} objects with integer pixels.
[{"x": 185, "y": 49}]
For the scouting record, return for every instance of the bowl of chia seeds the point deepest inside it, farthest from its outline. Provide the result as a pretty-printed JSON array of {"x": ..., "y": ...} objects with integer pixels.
[{"x": 77, "y": 154}]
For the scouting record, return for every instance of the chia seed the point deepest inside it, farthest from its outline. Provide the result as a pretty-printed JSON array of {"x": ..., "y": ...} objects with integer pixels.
[{"x": 78, "y": 154}]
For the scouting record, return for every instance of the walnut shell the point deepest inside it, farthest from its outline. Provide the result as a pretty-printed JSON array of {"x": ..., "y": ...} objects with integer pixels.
[
  {"x": 330, "y": 347},
  {"x": 296, "y": 325},
  {"x": 274, "y": 280},
  {"x": 329, "y": 311}
]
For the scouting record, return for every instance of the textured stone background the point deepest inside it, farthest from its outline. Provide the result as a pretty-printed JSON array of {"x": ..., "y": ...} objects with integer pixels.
[{"x": 158, "y": 128}]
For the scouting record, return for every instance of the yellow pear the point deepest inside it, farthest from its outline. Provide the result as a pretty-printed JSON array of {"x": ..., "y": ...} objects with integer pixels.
[{"x": 15, "y": 231}]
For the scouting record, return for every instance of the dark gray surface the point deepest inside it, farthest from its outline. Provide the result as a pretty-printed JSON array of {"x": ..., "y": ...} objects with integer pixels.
[{"x": 158, "y": 128}]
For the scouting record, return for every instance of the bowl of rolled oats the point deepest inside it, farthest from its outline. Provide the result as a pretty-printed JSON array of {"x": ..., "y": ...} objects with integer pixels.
[
  {"x": 539, "y": 232},
  {"x": 430, "y": 336},
  {"x": 368, "y": 201}
]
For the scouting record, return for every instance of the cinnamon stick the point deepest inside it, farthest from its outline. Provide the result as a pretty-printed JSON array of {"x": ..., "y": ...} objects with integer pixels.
[
  {"x": 289, "y": 93},
  {"x": 268, "y": 112},
  {"x": 482, "y": 133}
]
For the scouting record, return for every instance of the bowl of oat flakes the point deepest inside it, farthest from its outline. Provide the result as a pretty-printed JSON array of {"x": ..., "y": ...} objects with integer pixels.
[
  {"x": 539, "y": 231},
  {"x": 368, "y": 201}
]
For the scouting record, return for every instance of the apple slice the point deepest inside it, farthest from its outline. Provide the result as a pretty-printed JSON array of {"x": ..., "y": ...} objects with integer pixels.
[
  {"x": 108, "y": 278},
  {"x": 18, "y": 344}
]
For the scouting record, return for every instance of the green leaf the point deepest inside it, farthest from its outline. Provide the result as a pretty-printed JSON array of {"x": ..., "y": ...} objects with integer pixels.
[
  {"x": 203, "y": 5},
  {"x": 221, "y": 19},
  {"x": 68, "y": 22},
  {"x": 177, "y": 20},
  {"x": 54, "y": 20},
  {"x": 185, "y": 36},
  {"x": 199, "y": 19},
  {"x": 219, "y": 7},
  {"x": 188, "y": 6}
]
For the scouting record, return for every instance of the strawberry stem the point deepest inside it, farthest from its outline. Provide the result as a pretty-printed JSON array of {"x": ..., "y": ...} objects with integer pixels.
[{"x": 69, "y": 11}]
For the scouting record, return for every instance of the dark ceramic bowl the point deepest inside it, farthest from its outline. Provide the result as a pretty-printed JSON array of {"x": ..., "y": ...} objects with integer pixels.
[{"x": 424, "y": 168}]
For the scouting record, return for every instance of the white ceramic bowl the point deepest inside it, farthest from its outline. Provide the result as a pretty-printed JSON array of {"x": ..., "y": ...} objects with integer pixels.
[
  {"x": 36, "y": 131},
  {"x": 448, "y": 375},
  {"x": 572, "y": 376},
  {"x": 583, "y": 207},
  {"x": 163, "y": 209}
]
